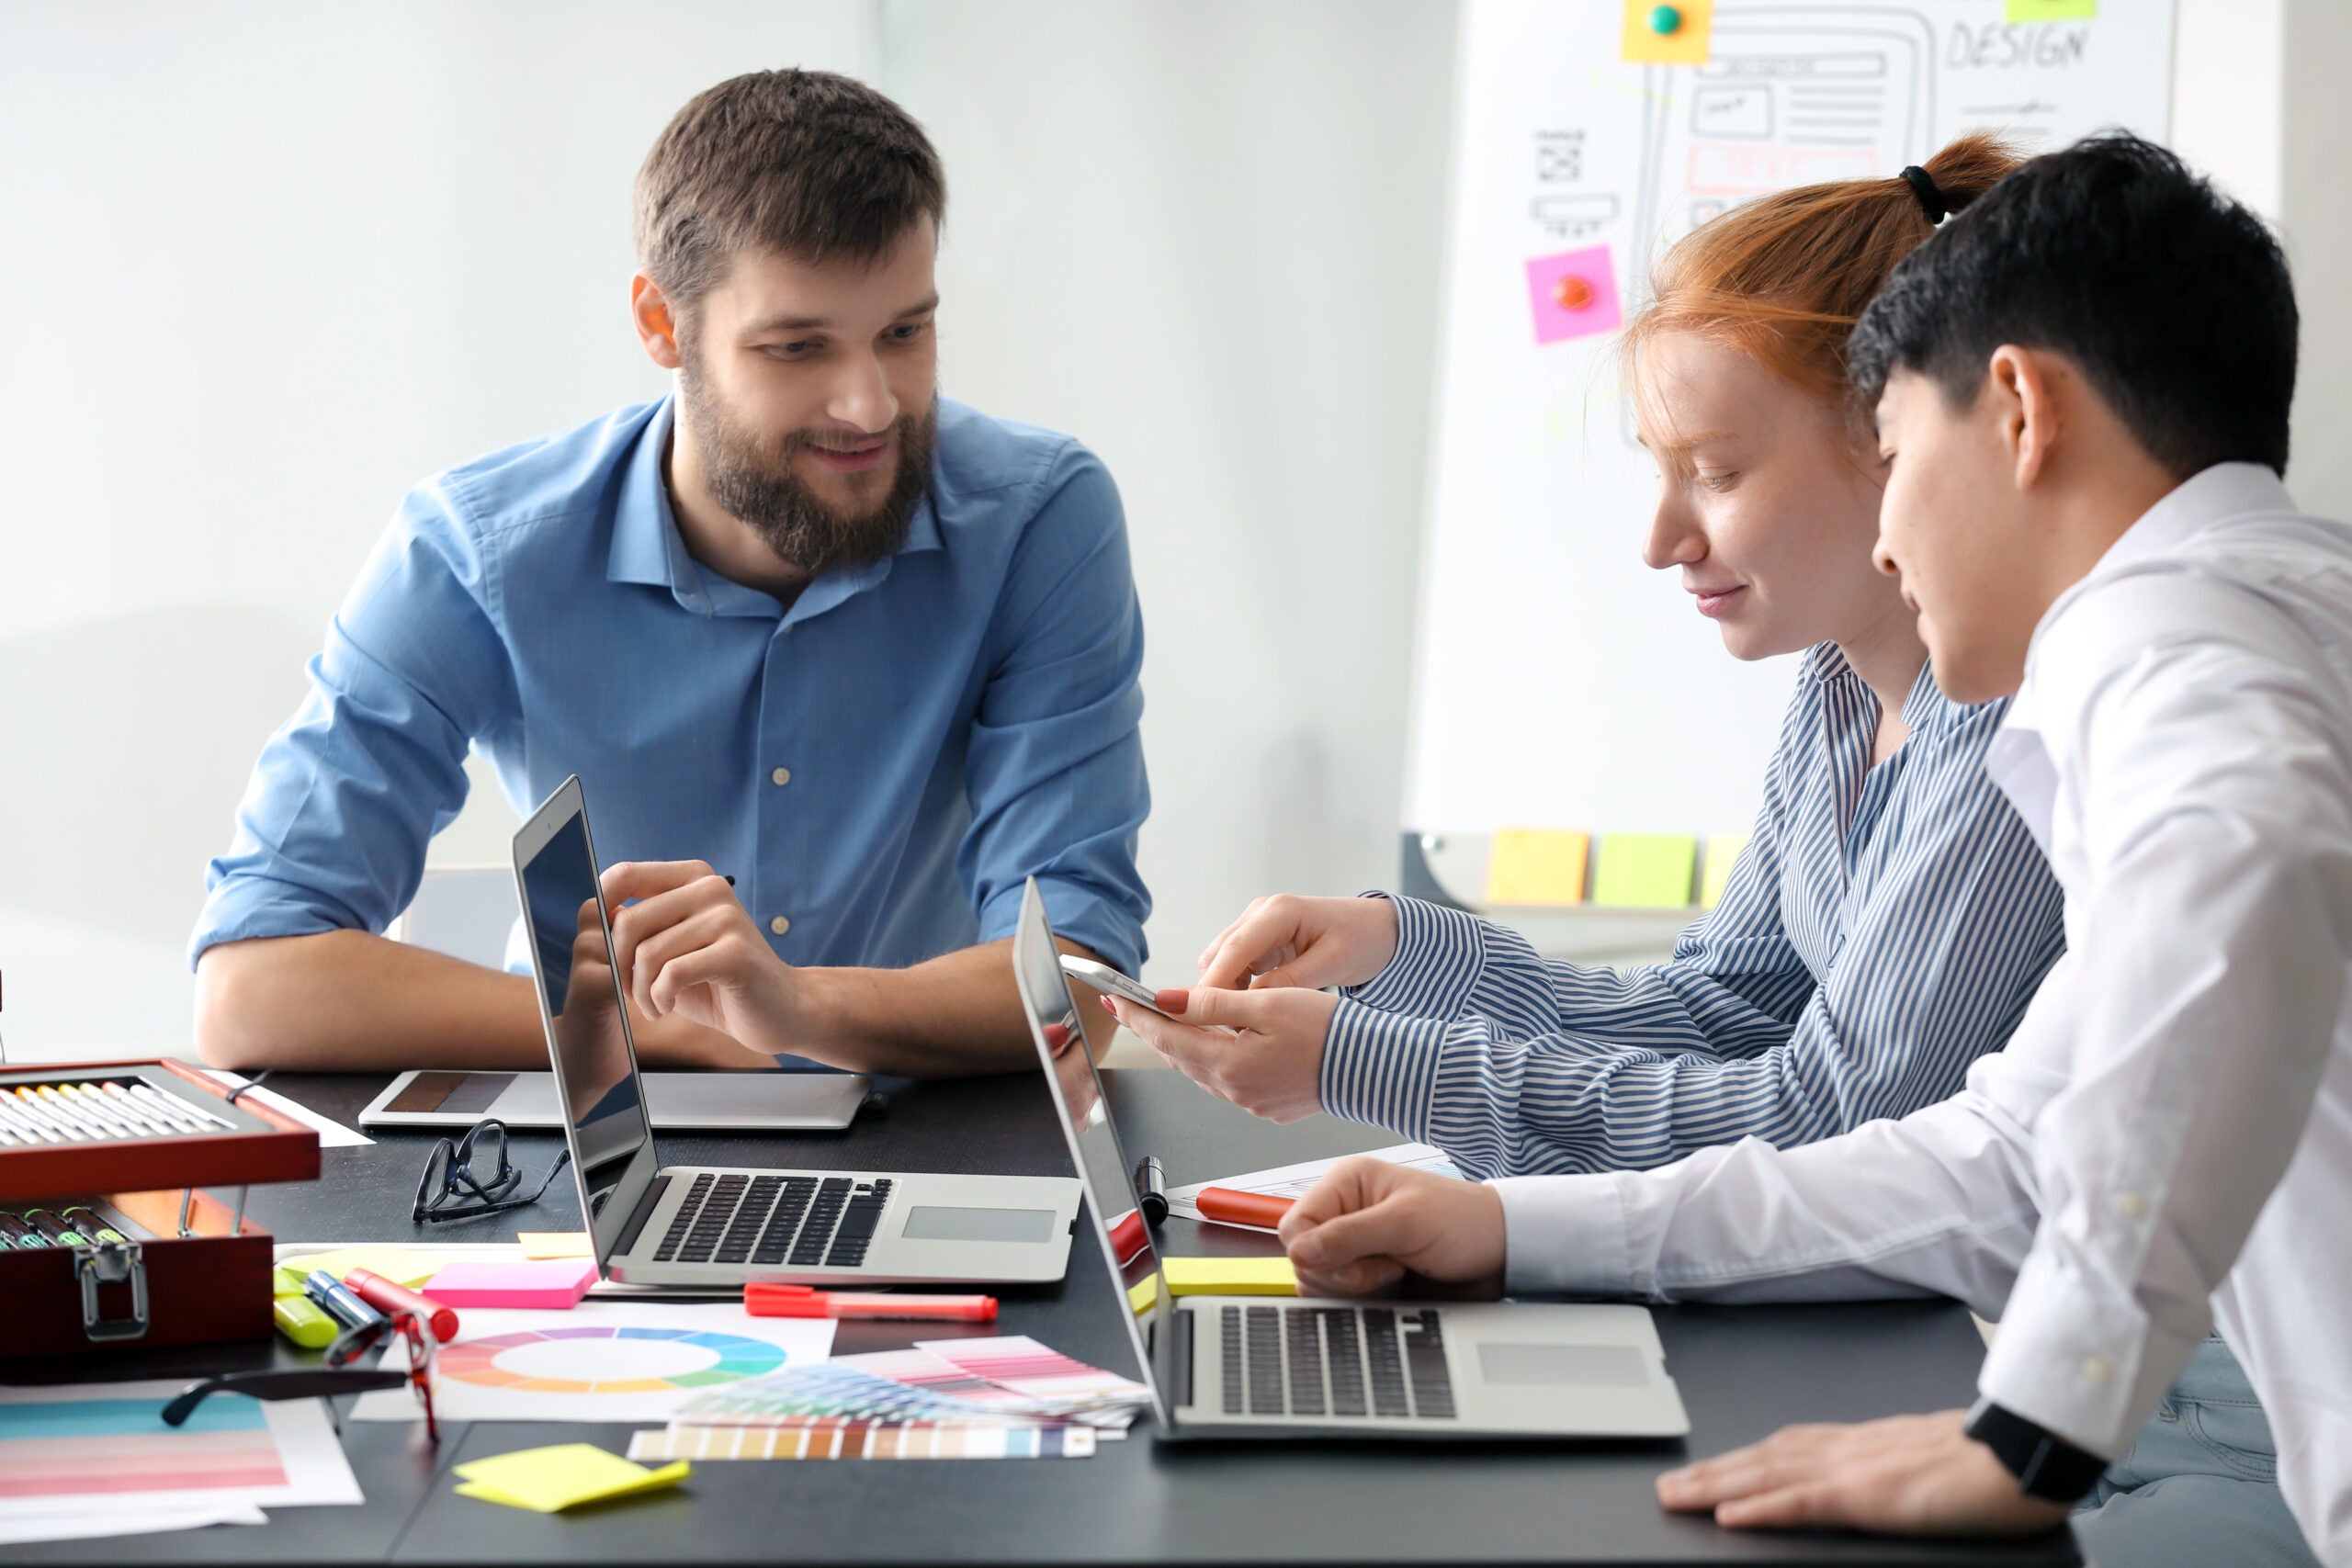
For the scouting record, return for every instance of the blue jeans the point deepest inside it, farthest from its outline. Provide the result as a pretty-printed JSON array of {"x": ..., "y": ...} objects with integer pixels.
[{"x": 2199, "y": 1485}]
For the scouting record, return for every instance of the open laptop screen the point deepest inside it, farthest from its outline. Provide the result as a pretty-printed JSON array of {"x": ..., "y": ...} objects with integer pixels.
[
  {"x": 1085, "y": 1120},
  {"x": 595, "y": 1066}
]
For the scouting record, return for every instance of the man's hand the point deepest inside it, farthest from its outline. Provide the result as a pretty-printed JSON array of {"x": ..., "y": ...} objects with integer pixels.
[
  {"x": 1261, "y": 1050},
  {"x": 688, "y": 947},
  {"x": 1906, "y": 1475},
  {"x": 1311, "y": 942},
  {"x": 1368, "y": 1225}
]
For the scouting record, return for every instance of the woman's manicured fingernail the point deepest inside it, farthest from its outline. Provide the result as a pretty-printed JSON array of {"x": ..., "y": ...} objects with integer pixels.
[
  {"x": 1175, "y": 1000},
  {"x": 1107, "y": 1007}
]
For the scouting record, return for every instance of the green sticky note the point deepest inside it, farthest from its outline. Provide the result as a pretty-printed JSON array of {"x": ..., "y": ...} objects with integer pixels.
[
  {"x": 549, "y": 1480},
  {"x": 1723, "y": 852},
  {"x": 2051, "y": 10},
  {"x": 1646, "y": 871}
]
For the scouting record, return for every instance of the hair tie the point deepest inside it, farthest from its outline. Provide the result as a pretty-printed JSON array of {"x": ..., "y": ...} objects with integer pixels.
[{"x": 1923, "y": 186}]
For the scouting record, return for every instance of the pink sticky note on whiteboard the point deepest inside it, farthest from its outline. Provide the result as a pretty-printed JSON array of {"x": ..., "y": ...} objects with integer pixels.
[{"x": 1573, "y": 294}]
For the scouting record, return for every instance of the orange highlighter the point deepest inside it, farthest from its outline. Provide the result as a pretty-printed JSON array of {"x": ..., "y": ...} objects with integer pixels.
[
  {"x": 1242, "y": 1208},
  {"x": 762, "y": 1299}
]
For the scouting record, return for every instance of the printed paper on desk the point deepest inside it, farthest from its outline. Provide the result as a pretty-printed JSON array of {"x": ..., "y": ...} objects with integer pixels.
[
  {"x": 106, "y": 1446},
  {"x": 1293, "y": 1181},
  {"x": 600, "y": 1361}
]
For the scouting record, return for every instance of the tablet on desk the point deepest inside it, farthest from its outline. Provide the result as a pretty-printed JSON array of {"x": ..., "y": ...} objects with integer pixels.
[{"x": 685, "y": 1102}]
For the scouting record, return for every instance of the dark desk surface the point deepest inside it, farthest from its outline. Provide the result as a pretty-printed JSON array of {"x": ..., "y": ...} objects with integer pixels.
[{"x": 1742, "y": 1372}]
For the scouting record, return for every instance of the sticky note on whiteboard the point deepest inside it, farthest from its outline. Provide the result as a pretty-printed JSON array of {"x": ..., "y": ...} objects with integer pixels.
[
  {"x": 1536, "y": 865},
  {"x": 1676, "y": 33},
  {"x": 1723, "y": 852},
  {"x": 1573, "y": 294},
  {"x": 2050, "y": 11},
  {"x": 1645, "y": 871}
]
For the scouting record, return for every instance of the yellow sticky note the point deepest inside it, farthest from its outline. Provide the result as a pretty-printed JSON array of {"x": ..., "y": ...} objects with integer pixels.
[
  {"x": 1229, "y": 1276},
  {"x": 402, "y": 1265},
  {"x": 1536, "y": 865},
  {"x": 543, "y": 1245},
  {"x": 1723, "y": 851},
  {"x": 2051, "y": 11},
  {"x": 1674, "y": 33},
  {"x": 1143, "y": 1294},
  {"x": 1646, "y": 871},
  {"x": 550, "y": 1480}
]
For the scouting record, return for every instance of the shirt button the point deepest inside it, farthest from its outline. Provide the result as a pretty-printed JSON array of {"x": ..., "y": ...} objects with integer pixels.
[
  {"x": 779, "y": 925},
  {"x": 781, "y": 775},
  {"x": 2131, "y": 1206},
  {"x": 2098, "y": 1369}
]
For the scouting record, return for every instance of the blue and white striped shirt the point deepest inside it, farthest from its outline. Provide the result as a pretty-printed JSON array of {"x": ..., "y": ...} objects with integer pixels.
[{"x": 1884, "y": 928}]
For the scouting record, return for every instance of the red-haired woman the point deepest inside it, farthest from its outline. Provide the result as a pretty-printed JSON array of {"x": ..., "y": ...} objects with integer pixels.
[{"x": 1891, "y": 916}]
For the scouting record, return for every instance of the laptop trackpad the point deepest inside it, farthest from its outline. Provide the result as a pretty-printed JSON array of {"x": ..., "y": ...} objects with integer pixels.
[
  {"x": 1568, "y": 1366},
  {"x": 938, "y": 1223}
]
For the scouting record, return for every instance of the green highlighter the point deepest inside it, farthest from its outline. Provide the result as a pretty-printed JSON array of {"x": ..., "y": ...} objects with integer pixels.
[{"x": 297, "y": 1317}]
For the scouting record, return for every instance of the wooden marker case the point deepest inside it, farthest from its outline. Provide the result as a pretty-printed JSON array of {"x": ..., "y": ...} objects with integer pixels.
[{"x": 210, "y": 1284}]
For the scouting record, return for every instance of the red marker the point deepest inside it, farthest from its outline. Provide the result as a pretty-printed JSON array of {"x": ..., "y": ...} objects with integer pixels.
[
  {"x": 1242, "y": 1208},
  {"x": 762, "y": 1299},
  {"x": 388, "y": 1296}
]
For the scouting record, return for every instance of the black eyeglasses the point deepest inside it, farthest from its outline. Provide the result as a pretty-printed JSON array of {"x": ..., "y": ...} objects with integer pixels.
[
  {"x": 452, "y": 1190},
  {"x": 336, "y": 1376}
]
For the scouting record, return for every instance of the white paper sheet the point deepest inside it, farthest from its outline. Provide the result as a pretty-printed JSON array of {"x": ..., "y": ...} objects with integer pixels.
[
  {"x": 600, "y": 1361},
  {"x": 1293, "y": 1181},
  {"x": 83, "y": 1523}
]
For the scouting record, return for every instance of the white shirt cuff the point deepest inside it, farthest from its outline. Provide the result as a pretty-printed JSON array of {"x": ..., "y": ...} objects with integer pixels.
[
  {"x": 1565, "y": 1236},
  {"x": 2087, "y": 1368}
]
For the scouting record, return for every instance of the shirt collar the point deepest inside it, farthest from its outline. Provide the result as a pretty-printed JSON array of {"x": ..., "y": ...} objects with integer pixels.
[
  {"x": 648, "y": 548},
  {"x": 2018, "y": 759},
  {"x": 1925, "y": 711}
]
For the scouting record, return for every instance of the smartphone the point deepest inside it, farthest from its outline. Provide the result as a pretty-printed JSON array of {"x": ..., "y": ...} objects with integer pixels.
[{"x": 1102, "y": 978}]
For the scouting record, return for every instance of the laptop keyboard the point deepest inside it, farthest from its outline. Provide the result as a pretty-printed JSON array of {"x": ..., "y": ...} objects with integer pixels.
[
  {"x": 769, "y": 1222},
  {"x": 1315, "y": 1360}
]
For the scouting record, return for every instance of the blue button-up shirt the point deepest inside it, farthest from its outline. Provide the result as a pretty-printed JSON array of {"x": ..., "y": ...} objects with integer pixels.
[{"x": 879, "y": 767}]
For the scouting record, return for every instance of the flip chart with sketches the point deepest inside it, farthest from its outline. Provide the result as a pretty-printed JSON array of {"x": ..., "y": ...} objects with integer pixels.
[{"x": 1560, "y": 683}]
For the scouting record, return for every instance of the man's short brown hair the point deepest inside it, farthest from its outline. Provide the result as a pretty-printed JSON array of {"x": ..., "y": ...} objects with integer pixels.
[{"x": 804, "y": 164}]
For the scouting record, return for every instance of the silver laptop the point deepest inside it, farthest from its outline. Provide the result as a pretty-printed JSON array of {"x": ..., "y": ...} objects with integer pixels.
[
  {"x": 1260, "y": 1366},
  {"x": 703, "y": 1227}
]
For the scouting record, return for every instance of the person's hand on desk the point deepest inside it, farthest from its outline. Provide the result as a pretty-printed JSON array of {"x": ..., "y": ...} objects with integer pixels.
[
  {"x": 687, "y": 951},
  {"x": 1310, "y": 942},
  {"x": 1369, "y": 1226},
  {"x": 1906, "y": 1475},
  {"x": 1263, "y": 1049}
]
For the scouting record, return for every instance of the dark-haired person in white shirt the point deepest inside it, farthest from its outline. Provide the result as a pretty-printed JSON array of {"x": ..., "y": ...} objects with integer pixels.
[{"x": 2082, "y": 385}]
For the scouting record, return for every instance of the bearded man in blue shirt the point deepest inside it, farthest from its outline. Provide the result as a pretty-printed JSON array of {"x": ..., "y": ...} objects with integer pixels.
[{"x": 870, "y": 652}]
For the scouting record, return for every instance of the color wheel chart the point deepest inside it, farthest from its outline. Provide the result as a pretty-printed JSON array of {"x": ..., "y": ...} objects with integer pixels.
[{"x": 604, "y": 1359}]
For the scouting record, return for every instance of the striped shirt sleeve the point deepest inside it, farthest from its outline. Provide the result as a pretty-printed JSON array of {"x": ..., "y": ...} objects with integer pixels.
[{"x": 1939, "y": 963}]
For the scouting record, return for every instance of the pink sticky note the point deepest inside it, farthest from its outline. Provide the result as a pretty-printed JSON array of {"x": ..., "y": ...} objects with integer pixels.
[
  {"x": 504, "y": 1282},
  {"x": 1573, "y": 294}
]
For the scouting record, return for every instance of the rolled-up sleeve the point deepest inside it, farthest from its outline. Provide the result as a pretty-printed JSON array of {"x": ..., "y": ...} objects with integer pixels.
[
  {"x": 1055, "y": 774},
  {"x": 331, "y": 832}
]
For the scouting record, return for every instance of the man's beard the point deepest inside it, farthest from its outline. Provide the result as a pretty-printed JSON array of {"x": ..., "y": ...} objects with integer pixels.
[{"x": 751, "y": 476}]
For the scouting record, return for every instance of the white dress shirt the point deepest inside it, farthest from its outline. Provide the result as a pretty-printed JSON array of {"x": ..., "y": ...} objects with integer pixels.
[{"x": 2166, "y": 1144}]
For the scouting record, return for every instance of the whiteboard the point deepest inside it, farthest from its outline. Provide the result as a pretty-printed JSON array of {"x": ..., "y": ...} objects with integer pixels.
[{"x": 1558, "y": 681}]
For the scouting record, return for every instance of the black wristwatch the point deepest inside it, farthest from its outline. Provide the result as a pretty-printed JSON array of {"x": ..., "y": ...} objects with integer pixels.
[{"x": 2046, "y": 1464}]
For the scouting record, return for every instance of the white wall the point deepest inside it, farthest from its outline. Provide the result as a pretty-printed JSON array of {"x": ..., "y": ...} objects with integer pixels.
[{"x": 1204, "y": 239}]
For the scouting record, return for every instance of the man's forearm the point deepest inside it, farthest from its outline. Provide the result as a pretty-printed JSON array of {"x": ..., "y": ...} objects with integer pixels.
[
  {"x": 348, "y": 1002},
  {"x": 956, "y": 1014}
]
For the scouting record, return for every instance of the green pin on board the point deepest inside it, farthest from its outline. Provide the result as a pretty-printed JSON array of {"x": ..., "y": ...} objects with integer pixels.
[
  {"x": 1665, "y": 20},
  {"x": 1670, "y": 34}
]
